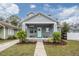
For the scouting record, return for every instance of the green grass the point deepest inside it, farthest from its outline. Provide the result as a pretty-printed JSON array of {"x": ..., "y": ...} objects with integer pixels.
[
  {"x": 71, "y": 49},
  {"x": 3, "y": 41},
  {"x": 19, "y": 50}
]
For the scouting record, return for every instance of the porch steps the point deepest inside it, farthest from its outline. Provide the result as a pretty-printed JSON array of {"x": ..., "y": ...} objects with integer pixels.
[{"x": 38, "y": 39}]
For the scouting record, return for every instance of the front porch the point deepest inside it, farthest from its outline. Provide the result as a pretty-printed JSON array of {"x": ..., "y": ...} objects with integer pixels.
[
  {"x": 37, "y": 31},
  {"x": 39, "y": 26}
]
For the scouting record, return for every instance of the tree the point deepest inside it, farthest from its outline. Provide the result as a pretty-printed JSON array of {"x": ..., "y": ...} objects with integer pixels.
[
  {"x": 64, "y": 29},
  {"x": 14, "y": 20},
  {"x": 21, "y": 35}
]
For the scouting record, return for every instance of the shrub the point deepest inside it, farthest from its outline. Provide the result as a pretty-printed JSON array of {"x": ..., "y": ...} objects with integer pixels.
[
  {"x": 11, "y": 37},
  {"x": 21, "y": 35},
  {"x": 56, "y": 37},
  {"x": 49, "y": 39}
]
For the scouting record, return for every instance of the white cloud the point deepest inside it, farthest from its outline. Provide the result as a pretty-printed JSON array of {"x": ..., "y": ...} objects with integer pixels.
[
  {"x": 69, "y": 15},
  {"x": 8, "y": 9},
  {"x": 68, "y": 12},
  {"x": 71, "y": 20},
  {"x": 54, "y": 11},
  {"x": 32, "y": 6},
  {"x": 62, "y": 12}
]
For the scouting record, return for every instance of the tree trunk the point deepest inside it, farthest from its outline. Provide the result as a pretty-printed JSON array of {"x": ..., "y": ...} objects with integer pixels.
[{"x": 64, "y": 35}]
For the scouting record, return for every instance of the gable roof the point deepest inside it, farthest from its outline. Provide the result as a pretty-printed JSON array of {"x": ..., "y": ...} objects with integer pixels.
[
  {"x": 42, "y": 14},
  {"x": 7, "y": 25}
]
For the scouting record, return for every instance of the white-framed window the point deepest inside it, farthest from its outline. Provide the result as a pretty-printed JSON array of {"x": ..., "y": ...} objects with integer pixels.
[
  {"x": 12, "y": 31},
  {"x": 47, "y": 29},
  {"x": 8, "y": 31},
  {"x": 31, "y": 30}
]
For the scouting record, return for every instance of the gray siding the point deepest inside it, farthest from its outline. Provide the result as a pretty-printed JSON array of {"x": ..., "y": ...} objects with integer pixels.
[
  {"x": 1, "y": 33},
  {"x": 39, "y": 19},
  {"x": 44, "y": 33},
  {"x": 7, "y": 34}
]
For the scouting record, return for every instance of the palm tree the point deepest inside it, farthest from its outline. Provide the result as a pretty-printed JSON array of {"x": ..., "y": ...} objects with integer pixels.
[{"x": 64, "y": 29}]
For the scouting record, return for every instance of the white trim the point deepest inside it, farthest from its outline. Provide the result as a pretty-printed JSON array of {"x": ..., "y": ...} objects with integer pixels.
[
  {"x": 4, "y": 33},
  {"x": 47, "y": 29},
  {"x": 8, "y": 31},
  {"x": 42, "y": 14},
  {"x": 23, "y": 26},
  {"x": 39, "y": 22},
  {"x": 55, "y": 27},
  {"x": 13, "y": 31}
]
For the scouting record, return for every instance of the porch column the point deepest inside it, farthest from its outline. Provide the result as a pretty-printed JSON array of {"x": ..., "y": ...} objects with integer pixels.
[
  {"x": 4, "y": 32},
  {"x": 55, "y": 27},
  {"x": 23, "y": 27}
]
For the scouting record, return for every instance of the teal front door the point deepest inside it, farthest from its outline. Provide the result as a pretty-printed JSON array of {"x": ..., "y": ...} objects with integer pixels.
[{"x": 39, "y": 32}]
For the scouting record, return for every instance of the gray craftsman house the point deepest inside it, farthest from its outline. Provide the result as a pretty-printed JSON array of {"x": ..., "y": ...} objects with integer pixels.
[
  {"x": 7, "y": 30},
  {"x": 39, "y": 25}
]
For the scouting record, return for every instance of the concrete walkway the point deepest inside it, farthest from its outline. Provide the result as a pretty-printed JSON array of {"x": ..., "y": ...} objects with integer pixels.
[
  {"x": 39, "y": 50},
  {"x": 6, "y": 45}
]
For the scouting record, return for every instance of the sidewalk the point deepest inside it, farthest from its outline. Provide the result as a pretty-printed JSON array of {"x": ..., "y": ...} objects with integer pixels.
[
  {"x": 6, "y": 45},
  {"x": 39, "y": 50}
]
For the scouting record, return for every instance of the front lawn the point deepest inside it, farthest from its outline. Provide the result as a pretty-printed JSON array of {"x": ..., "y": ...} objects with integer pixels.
[
  {"x": 19, "y": 50},
  {"x": 3, "y": 41},
  {"x": 71, "y": 49}
]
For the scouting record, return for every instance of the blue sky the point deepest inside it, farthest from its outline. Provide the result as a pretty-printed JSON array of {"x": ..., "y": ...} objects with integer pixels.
[
  {"x": 41, "y": 7},
  {"x": 66, "y": 12}
]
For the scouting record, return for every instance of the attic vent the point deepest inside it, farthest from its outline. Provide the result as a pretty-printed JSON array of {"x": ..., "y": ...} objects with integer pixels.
[
  {"x": 30, "y": 14},
  {"x": 49, "y": 14}
]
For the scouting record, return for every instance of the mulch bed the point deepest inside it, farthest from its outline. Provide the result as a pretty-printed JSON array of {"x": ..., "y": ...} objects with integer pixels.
[
  {"x": 54, "y": 43},
  {"x": 28, "y": 42}
]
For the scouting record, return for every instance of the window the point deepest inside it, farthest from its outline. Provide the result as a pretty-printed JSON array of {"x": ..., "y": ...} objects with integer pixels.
[
  {"x": 47, "y": 29},
  {"x": 31, "y": 31}
]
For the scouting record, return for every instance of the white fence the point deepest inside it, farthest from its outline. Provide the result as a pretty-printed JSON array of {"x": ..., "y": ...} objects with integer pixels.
[{"x": 73, "y": 36}]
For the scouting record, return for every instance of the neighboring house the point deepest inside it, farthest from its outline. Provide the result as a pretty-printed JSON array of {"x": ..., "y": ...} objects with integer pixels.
[
  {"x": 39, "y": 26},
  {"x": 7, "y": 30}
]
